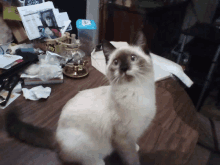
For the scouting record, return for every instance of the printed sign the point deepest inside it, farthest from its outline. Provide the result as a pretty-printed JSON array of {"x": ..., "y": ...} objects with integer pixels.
[{"x": 86, "y": 22}]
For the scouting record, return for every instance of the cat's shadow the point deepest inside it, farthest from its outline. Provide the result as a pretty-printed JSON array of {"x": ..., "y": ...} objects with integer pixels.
[{"x": 113, "y": 159}]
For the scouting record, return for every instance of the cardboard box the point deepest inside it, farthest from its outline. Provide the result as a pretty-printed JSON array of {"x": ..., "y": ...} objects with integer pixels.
[{"x": 18, "y": 31}]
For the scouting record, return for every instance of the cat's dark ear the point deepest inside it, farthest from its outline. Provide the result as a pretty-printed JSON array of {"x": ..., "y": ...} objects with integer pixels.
[
  {"x": 140, "y": 40},
  {"x": 108, "y": 48}
]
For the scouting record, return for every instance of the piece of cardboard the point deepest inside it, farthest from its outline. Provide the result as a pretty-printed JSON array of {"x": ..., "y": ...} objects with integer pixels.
[
  {"x": 18, "y": 31},
  {"x": 11, "y": 13}
]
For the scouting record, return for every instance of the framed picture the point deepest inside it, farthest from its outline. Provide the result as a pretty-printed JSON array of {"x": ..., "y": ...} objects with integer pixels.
[{"x": 48, "y": 21}]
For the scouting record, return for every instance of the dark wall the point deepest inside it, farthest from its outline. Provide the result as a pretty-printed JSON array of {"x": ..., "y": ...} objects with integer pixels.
[
  {"x": 168, "y": 24},
  {"x": 75, "y": 9},
  {"x": 162, "y": 26}
]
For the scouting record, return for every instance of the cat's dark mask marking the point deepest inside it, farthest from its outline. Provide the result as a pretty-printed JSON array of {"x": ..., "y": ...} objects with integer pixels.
[
  {"x": 143, "y": 65},
  {"x": 124, "y": 59},
  {"x": 139, "y": 39},
  {"x": 108, "y": 48},
  {"x": 124, "y": 62}
]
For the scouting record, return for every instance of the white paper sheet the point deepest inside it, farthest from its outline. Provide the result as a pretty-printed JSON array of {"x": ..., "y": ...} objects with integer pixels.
[
  {"x": 66, "y": 25},
  {"x": 6, "y": 60},
  {"x": 13, "y": 97},
  {"x": 63, "y": 21},
  {"x": 30, "y": 18}
]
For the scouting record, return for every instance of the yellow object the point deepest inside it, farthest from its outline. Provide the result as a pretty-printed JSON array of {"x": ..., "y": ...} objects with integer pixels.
[{"x": 11, "y": 13}]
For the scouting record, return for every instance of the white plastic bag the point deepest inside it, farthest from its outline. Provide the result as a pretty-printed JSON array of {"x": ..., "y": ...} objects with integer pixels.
[{"x": 47, "y": 68}]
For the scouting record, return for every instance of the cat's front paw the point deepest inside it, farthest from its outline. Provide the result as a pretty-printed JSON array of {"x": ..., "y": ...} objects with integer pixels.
[
  {"x": 101, "y": 162},
  {"x": 137, "y": 147}
]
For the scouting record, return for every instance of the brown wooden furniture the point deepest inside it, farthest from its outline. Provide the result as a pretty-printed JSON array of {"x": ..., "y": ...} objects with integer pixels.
[
  {"x": 161, "y": 25},
  {"x": 117, "y": 21}
]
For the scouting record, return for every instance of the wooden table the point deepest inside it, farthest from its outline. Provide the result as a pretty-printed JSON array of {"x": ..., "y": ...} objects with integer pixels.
[{"x": 169, "y": 140}]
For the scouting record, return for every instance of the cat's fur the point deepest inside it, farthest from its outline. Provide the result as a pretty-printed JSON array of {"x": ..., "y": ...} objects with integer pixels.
[{"x": 97, "y": 121}]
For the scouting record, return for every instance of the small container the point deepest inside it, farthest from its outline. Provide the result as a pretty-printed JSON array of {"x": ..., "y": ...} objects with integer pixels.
[{"x": 87, "y": 33}]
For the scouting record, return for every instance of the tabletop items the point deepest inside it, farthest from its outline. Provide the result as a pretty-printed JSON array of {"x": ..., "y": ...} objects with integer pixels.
[{"x": 44, "y": 31}]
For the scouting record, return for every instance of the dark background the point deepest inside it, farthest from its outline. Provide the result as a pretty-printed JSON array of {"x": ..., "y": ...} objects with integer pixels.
[{"x": 75, "y": 9}]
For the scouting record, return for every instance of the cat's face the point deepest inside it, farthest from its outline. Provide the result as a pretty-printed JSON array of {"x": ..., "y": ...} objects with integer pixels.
[{"x": 127, "y": 64}]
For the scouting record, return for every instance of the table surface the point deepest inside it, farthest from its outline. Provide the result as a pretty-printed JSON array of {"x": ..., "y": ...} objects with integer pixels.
[{"x": 166, "y": 138}]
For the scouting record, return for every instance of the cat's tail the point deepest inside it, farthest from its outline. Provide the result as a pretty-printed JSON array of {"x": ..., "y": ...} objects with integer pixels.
[{"x": 36, "y": 136}]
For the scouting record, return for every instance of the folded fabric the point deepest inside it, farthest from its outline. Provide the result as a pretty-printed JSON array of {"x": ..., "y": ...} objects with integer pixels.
[{"x": 163, "y": 68}]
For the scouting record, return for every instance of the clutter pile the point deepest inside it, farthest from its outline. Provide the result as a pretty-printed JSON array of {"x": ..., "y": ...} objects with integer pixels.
[{"x": 38, "y": 28}]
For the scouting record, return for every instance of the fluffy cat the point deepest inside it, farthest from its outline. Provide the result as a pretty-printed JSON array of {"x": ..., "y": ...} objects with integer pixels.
[{"x": 97, "y": 121}]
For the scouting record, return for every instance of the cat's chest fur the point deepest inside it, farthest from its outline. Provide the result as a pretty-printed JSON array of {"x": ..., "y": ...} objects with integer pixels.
[
  {"x": 135, "y": 107},
  {"x": 128, "y": 99}
]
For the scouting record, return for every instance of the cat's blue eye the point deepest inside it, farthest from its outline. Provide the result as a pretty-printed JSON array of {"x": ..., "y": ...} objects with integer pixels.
[
  {"x": 133, "y": 57},
  {"x": 115, "y": 62}
]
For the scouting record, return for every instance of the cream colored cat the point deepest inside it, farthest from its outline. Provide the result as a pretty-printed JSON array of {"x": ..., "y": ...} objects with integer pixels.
[{"x": 97, "y": 121}]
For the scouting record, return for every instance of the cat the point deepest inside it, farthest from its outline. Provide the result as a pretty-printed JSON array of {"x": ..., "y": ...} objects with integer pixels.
[{"x": 97, "y": 121}]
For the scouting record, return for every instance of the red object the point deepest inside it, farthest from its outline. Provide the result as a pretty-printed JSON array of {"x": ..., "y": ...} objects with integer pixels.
[
  {"x": 56, "y": 32},
  {"x": 18, "y": 61}
]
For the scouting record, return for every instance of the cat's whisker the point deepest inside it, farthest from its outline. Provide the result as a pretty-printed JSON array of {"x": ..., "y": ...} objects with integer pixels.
[
  {"x": 141, "y": 73},
  {"x": 141, "y": 66},
  {"x": 136, "y": 77},
  {"x": 117, "y": 80},
  {"x": 114, "y": 81},
  {"x": 142, "y": 77},
  {"x": 144, "y": 66}
]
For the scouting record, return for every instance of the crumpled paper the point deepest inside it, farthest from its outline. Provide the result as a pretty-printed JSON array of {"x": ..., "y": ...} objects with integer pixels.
[{"x": 36, "y": 93}]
